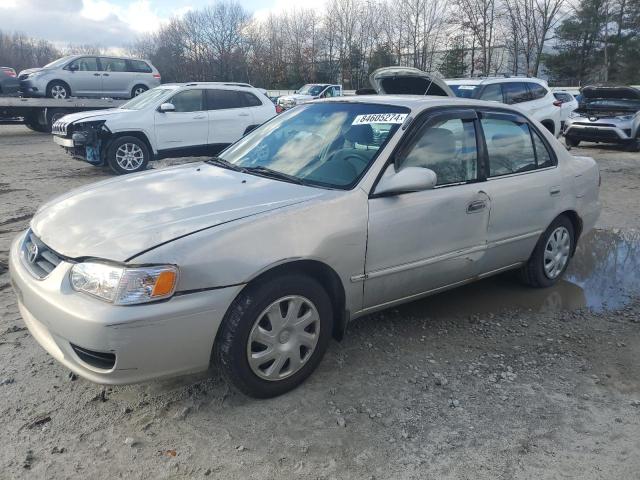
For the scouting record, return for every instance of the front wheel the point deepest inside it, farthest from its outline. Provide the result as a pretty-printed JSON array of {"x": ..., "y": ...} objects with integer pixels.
[
  {"x": 551, "y": 256},
  {"x": 58, "y": 90},
  {"x": 127, "y": 155},
  {"x": 274, "y": 335}
]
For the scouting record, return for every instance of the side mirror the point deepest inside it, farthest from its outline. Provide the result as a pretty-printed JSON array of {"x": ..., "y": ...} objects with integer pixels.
[
  {"x": 409, "y": 179},
  {"x": 73, "y": 68},
  {"x": 167, "y": 107}
]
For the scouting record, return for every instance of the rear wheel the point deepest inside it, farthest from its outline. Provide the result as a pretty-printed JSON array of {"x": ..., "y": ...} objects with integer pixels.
[
  {"x": 634, "y": 146},
  {"x": 571, "y": 142},
  {"x": 551, "y": 256},
  {"x": 138, "y": 90},
  {"x": 58, "y": 90},
  {"x": 128, "y": 155},
  {"x": 274, "y": 335}
]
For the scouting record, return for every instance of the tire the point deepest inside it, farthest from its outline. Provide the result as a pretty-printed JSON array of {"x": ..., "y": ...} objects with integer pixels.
[
  {"x": 535, "y": 272},
  {"x": 138, "y": 89},
  {"x": 634, "y": 146},
  {"x": 37, "y": 127},
  {"x": 246, "y": 319},
  {"x": 57, "y": 89},
  {"x": 571, "y": 142},
  {"x": 127, "y": 155}
]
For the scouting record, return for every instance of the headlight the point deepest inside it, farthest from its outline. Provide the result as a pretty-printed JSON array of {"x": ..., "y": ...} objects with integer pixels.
[
  {"x": 123, "y": 285},
  {"x": 574, "y": 115},
  {"x": 625, "y": 117}
]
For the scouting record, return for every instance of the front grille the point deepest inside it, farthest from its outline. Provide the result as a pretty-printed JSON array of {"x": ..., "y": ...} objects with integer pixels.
[
  {"x": 593, "y": 124},
  {"x": 102, "y": 360},
  {"x": 39, "y": 259},
  {"x": 59, "y": 128}
]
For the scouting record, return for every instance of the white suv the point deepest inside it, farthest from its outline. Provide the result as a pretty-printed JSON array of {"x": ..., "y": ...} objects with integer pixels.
[
  {"x": 531, "y": 95},
  {"x": 168, "y": 121}
]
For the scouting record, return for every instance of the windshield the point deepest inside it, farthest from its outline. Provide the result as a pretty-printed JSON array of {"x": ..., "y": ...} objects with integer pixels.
[
  {"x": 463, "y": 91},
  {"x": 323, "y": 144},
  {"x": 57, "y": 63},
  {"x": 147, "y": 98},
  {"x": 312, "y": 90}
]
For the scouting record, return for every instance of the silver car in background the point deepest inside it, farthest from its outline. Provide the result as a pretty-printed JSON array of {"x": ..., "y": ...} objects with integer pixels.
[
  {"x": 606, "y": 114},
  {"x": 90, "y": 76},
  {"x": 332, "y": 210}
]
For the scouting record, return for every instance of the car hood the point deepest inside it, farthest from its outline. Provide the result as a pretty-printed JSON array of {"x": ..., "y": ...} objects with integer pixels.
[
  {"x": 31, "y": 70},
  {"x": 408, "y": 81},
  {"x": 122, "y": 217},
  {"x": 297, "y": 97},
  {"x": 610, "y": 93},
  {"x": 109, "y": 113}
]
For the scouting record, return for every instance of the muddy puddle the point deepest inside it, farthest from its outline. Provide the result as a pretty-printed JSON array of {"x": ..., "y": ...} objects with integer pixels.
[{"x": 604, "y": 274}]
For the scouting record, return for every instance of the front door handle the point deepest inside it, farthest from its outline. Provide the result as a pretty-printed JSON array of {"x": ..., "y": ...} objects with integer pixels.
[
  {"x": 199, "y": 117},
  {"x": 243, "y": 114},
  {"x": 105, "y": 74},
  {"x": 554, "y": 191},
  {"x": 96, "y": 74},
  {"x": 476, "y": 206}
]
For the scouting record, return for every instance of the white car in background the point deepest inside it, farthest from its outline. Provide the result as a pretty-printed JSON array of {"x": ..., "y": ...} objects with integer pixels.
[
  {"x": 531, "y": 95},
  {"x": 567, "y": 103},
  {"x": 310, "y": 91},
  {"x": 168, "y": 121}
]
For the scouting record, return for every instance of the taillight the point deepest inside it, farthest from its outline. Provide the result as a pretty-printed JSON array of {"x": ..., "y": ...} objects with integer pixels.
[
  {"x": 9, "y": 71},
  {"x": 279, "y": 109},
  {"x": 557, "y": 103},
  {"x": 156, "y": 75}
]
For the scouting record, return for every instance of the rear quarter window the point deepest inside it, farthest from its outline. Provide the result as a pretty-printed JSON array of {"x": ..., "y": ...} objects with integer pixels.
[
  {"x": 250, "y": 100},
  {"x": 537, "y": 91},
  {"x": 139, "y": 66}
]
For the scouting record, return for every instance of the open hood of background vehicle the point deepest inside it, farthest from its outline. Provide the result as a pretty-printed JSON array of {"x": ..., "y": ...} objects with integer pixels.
[
  {"x": 592, "y": 92},
  {"x": 408, "y": 81}
]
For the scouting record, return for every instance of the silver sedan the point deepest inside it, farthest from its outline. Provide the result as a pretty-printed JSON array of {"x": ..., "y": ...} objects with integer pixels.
[{"x": 255, "y": 259}]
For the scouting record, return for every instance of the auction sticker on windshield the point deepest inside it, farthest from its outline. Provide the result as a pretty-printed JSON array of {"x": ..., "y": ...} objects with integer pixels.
[{"x": 371, "y": 118}]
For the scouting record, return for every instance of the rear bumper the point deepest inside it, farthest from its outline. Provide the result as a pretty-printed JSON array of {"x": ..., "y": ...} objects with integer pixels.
[
  {"x": 9, "y": 86},
  {"x": 149, "y": 341},
  {"x": 596, "y": 133}
]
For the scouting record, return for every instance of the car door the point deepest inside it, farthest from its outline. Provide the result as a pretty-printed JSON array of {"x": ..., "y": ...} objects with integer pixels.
[
  {"x": 83, "y": 76},
  {"x": 187, "y": 126},
  {"x": 523, "y": 184},
  {"x": 426, "y": 240},
  {"x": 228, "y": 116},
  {"x": 115, "y": 77}
]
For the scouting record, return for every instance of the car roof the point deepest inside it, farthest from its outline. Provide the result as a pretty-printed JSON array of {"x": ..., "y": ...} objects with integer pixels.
[
  {"x": 211, "y": 84},
  {"x": 418, "y": 102}
]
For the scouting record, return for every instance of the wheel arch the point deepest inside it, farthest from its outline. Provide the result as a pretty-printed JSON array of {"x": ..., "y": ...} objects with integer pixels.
[
  {"x": 577, "y": 223},
  {"x": 323, "y": 274},
  {"x": 57, "y": 80},
  {"x": 133, "y": 133}
]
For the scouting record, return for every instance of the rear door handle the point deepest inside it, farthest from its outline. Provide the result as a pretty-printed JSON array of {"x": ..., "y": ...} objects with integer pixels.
[
  {"x": 96, "y": 74},
  {"x": 199, "y": 117},
  {"x": 554, "y": 191},
  {"x": 105, "y": 74},
  {"x": 243, "y": 114},
  {"x": 476, "y": 206}
]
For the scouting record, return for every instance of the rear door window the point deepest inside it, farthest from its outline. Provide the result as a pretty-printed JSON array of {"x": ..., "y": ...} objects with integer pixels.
[
  {"x": 544, "y": 158},
  {"x": 537, "y": 91},
  {"x": 492, "y": 93},
  {"x": 224, "y": 99},
  {"x": 515, "y": 92},
  {"x": 114, "y": 64},
  {"x": 509, "y": 146}
]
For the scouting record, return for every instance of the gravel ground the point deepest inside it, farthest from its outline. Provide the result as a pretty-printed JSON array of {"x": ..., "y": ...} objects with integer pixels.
[{"x": 490, "y": 381}]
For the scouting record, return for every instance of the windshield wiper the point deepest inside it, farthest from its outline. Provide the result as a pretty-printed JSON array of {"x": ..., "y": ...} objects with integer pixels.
[
  {"x": 267, "y": 172},
  {"x": 221, "y": 162}
]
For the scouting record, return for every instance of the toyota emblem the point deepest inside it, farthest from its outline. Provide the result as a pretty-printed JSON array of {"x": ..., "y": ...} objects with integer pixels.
[
  {"x": 593, "y": 119},
  {"x": 32, "y": 253}
]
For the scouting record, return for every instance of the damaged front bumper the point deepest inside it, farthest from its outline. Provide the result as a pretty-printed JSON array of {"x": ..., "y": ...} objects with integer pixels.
[{"x": 82, "y": 141}]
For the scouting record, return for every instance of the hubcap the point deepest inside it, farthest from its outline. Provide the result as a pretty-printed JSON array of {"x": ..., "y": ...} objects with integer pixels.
[
  {"x": 138, "y": 91},
  {"x": 283, "y": 338},
  {"x": 556, "y": 252},
  {"x": 58, "y": 91},
  {"x": 129, "y": 156}
]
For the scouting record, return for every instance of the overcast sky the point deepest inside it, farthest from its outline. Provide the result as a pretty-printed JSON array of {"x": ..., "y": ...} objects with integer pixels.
[{"x": 110, "y": 23}]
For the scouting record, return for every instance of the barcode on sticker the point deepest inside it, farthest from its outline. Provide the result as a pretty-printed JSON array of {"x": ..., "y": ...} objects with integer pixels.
[{"x": 370, "y": 118}]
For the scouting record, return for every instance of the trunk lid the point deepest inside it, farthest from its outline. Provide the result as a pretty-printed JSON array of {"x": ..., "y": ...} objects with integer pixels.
[{"x": 408, "y": 81}]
